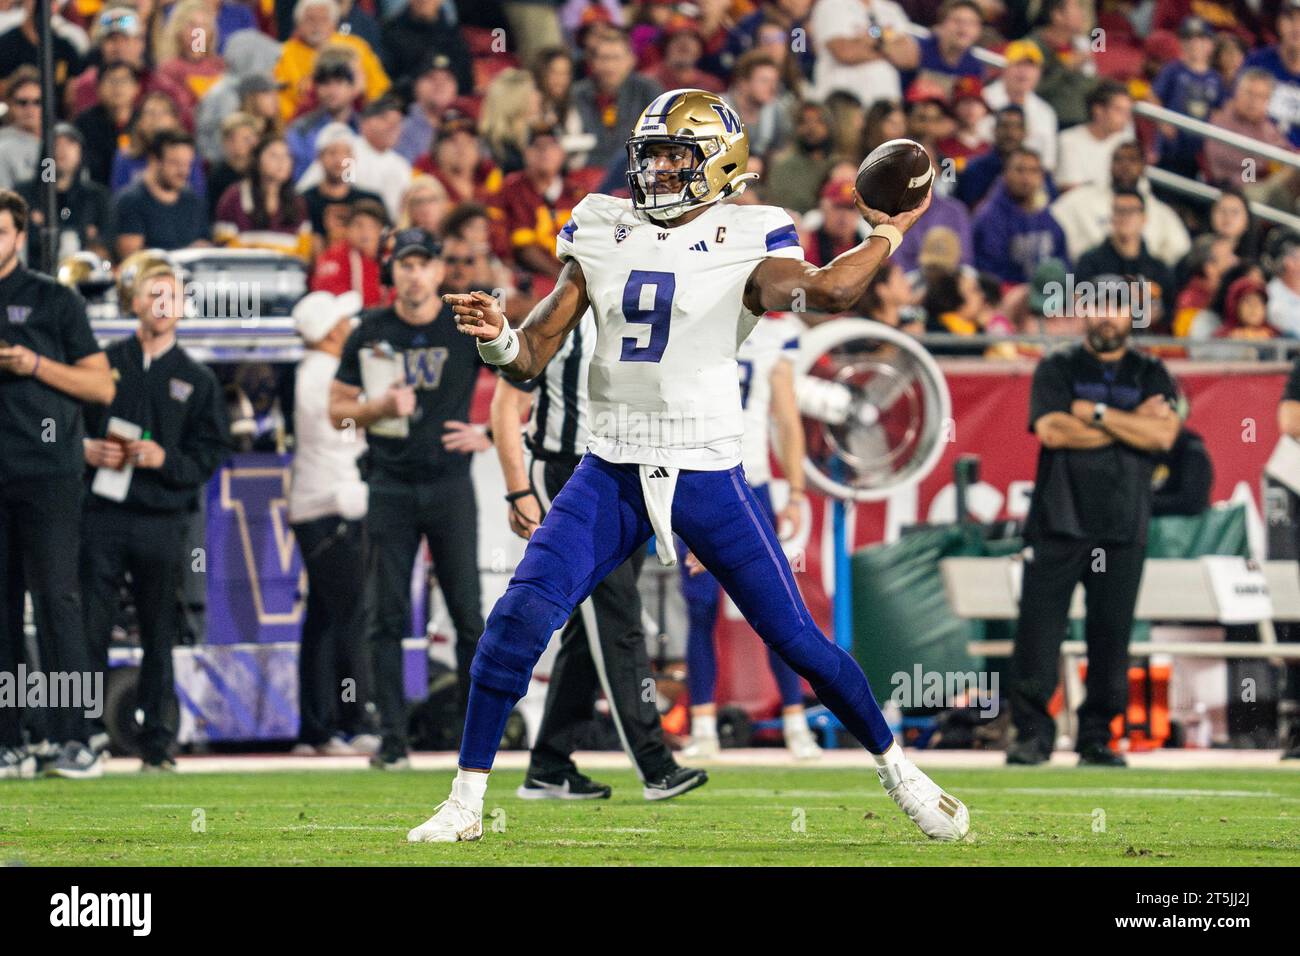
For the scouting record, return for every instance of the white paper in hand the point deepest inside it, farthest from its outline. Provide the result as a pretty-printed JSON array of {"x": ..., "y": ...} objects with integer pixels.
[
  {"x": 114, "y": 483},
  {"x": 381, "y": 368},
  {"x": 1284, "y": 464}
]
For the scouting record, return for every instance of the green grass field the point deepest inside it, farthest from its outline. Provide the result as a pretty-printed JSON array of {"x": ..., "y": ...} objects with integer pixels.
[{"x": 745, "y": 816}]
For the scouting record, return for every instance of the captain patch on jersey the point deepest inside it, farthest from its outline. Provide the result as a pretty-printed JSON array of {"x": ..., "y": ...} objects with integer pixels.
[{"x": 664, "y": 384}]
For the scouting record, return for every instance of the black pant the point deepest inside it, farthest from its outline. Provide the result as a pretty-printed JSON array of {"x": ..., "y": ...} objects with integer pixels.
[
  {"x": 602, "y": 646},
  {"x": 445, "y": 513},
  {"x": 1111, "y": 575},
  {"x": 150, "y": 548},
  {"x": 40, "y": 540},
  {"x": 333, "y": 647}
]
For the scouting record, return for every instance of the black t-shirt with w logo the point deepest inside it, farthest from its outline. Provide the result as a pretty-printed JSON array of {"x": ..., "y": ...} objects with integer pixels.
[{"x": 442, "y": 365}]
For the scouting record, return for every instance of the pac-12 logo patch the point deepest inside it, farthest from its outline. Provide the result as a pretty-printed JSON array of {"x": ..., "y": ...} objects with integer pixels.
[
  {"x": 179, "y": 389},
  {"x": 621, "y": 232}
]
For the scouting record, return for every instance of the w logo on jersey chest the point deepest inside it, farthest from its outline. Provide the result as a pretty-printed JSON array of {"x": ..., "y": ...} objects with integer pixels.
[
  {"x": 621, "y": 232},
  {"x": 424, "y": 367}
]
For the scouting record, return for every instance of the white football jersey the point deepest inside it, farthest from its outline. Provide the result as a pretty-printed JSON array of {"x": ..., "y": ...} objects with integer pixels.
[
  {"x": 772, "y": 341},
  {"x": 664, "y": 385}
]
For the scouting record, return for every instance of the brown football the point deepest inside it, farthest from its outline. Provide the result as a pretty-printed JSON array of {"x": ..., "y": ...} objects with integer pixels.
[{"x": 895, "y": 177}]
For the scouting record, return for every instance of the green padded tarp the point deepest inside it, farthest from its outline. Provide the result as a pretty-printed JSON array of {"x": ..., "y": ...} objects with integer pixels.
[{"x": 901, "y": 616}]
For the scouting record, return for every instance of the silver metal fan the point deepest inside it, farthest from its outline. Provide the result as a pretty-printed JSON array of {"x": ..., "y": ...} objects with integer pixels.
[{"x": 875, "y": 407}]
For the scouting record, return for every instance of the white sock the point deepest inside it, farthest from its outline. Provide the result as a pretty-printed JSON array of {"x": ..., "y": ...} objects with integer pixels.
[
  {"x": 703, "y": 726},
  {"x": 470, "y": 788},
  {"x": 892, "y": 756},
  {"x": 795, "y": 725}
]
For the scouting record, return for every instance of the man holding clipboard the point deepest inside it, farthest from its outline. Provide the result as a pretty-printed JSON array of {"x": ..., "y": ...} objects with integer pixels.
[
  {"x": 406, "y": 376},
  {"x": 149, "y": 454}
]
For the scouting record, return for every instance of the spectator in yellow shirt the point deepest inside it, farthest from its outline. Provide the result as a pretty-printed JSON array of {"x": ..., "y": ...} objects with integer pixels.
[{"x": 315, "y": 27}]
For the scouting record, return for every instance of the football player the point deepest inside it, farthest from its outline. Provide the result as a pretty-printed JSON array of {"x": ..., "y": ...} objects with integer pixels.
[
  {"x": 767, "y": 396},
  {"x": 676, "y": 279}
]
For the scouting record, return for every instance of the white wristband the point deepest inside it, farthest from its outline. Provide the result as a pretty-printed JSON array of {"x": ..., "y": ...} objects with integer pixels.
[
  {"x": 890, "y": 234},
  {"x": 503, "y": 349}
]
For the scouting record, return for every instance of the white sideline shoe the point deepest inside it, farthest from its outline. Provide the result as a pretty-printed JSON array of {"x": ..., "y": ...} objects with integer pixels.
[
  {"x": 940, "y": 815},
  {"x": 701, "y": 748},
  {"x": 452, "y": 821},
  {"x": 802, "y": 746}
]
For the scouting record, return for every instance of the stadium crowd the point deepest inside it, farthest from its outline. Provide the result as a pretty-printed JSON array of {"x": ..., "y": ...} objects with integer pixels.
[{"x": 309, "y": 127}]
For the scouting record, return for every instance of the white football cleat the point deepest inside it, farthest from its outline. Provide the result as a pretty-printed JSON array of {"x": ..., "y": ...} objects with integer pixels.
[
  {"x": 939, "y": 814},
  {"x": 451, "y": 822},
  {"x": 802, "y": 746},
  {"x": 701, "y": 748}
]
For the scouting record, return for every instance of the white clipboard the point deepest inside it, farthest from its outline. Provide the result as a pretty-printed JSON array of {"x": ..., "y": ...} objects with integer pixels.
[
  {"x": 380, "y": 370},
  {"x": 115, "y": 483}
]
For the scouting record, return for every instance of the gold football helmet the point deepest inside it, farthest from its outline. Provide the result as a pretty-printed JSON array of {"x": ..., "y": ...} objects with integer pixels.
[
  {"x": 85, "y": 272},
  {"x": 134, "y": 268},
  {"x": 681, "y": 127}
]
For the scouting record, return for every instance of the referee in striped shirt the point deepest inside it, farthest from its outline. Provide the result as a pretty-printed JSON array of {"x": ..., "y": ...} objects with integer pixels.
[{"x": 602, "y": 644}]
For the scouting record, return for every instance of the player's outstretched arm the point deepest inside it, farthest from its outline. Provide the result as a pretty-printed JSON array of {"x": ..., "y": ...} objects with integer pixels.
[
  {"x": 538, "y": 338},
  {"x": 783, "y": 285}
]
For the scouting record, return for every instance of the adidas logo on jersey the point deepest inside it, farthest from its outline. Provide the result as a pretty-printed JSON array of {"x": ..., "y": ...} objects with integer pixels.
[
  {"x": 659, "y": 472},
  {"x": 700, "y": 247}
]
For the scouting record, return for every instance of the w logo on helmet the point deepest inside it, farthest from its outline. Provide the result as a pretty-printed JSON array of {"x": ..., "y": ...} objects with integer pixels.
[{"x": 730, "y": 121}]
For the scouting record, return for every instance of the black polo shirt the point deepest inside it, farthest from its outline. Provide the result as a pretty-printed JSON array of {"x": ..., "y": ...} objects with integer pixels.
[
  {"x": 442, "y": 365},
  {"x": 179, "y": 403},
  {"x": 1099, "y": 494},
  {"x": 41, "y": 428}
]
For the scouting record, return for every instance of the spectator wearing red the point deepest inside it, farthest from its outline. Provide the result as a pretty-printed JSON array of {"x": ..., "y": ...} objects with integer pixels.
[
  {"x": 838, "y": 232},
  {"x": 458, "y": 161},
  {"x": 535, "y": 203},
  {"x": 188, "y": 51},
  {"x": 1210, "y": 258},
  {"x": 263, "y": 211},
  {"x": 970, "y": 138},
  {"x": 679, "y": 66},
  {"x": 119, "y": 37},
  {"x": 1246, "y": 112},
  {"x": 1245, "y": 313},
  {"x": 352, "y": 265}
]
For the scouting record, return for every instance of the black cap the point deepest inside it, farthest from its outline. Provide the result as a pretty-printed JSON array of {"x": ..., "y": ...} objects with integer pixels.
[
  {"x": 332, "y": 68},
  {"x": 435, "y": 61},
  {"x": 415, "y": 241}
]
